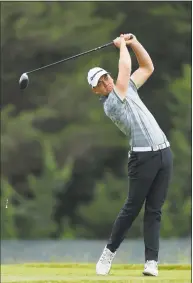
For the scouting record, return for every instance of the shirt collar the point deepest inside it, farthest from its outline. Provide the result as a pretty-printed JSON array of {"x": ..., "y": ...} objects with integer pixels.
[{"x": 103, "y": 98}]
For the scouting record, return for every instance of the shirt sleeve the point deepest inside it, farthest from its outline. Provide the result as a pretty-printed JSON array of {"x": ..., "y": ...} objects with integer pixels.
[
  {"x": 113, "y": 103},
  {"x": 116, "y": 94},
  {"x": 133, "y": 85},
  {"x": 116, "y": 109}
]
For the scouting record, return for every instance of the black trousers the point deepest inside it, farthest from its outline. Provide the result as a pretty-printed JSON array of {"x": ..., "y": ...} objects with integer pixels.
[{"x": 149, "y": 177}]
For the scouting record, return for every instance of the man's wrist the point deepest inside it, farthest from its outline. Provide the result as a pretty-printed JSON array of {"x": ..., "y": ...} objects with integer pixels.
[{"x": 134, "y": 43}]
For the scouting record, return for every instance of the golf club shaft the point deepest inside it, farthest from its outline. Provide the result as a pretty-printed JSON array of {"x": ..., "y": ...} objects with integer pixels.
[{"x": 72, "y": 57}]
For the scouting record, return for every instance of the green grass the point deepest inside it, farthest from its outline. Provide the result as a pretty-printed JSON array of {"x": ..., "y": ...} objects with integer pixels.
[{"x": 85, "y": 273}]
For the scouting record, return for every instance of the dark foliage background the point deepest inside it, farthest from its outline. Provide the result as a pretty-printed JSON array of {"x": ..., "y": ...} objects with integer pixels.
[{"x": 63, "y": 163}]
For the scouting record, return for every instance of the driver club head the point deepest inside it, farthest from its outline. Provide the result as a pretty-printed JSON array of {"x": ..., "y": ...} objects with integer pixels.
[{"x": 23, "y": 81}]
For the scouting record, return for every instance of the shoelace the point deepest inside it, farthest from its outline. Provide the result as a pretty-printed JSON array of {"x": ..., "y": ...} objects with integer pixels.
[
  {"x": 106, "y": 257},
  {"x": 151, "y": 263}
]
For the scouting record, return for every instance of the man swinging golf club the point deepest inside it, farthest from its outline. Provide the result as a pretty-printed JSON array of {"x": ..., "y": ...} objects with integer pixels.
[{"x": 149, "y": 158}]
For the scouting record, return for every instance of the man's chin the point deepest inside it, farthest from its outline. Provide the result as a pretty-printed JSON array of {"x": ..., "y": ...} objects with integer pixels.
[{"x": 109, "y": 90}]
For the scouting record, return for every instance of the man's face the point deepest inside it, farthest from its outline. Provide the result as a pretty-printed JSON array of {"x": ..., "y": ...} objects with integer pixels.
[{"x": 105, "y": 85}]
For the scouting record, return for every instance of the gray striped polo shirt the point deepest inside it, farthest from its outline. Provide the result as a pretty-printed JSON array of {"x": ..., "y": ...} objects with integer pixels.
[{"x": 133, "y": 118}]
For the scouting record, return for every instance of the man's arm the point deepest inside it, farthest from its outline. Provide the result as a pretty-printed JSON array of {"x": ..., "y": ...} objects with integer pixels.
[
  {"x": 124, "y": 73},
  {"x": 146, "y": 68}
]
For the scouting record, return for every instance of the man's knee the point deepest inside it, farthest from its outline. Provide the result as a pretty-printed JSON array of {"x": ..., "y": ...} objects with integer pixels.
[
  {"x": 154, "y": 213},
  {"x": 131, "y": 208}
]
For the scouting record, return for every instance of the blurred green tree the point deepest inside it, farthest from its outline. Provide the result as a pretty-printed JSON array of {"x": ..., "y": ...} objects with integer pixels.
[
  {"x": 58, "y": 106},
  {"x": 8, "y": 210},
  {"x": 178, "y": 207},
  {"x": 34, "y": 217}
]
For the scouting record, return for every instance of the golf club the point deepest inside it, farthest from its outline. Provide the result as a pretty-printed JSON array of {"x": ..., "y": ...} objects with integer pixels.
[{"x": 24, "y": 79}]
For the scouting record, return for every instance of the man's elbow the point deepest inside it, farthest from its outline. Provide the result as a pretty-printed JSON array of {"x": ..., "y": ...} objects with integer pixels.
[{"x": 150, "y": 70}]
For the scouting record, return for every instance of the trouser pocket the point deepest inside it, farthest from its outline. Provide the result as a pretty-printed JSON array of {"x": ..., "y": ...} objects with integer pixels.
[{"x": 133, "y": 163}]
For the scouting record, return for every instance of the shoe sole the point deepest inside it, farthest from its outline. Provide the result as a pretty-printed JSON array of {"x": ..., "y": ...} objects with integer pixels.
[{"x": 149, "y": 274}]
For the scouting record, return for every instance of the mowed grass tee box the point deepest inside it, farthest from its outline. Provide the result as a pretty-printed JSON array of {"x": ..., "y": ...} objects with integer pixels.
[{"x": 74, "y": 272}]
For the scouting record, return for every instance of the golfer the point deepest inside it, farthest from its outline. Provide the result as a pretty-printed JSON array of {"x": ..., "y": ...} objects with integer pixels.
[{"x": 149, "y": 158}]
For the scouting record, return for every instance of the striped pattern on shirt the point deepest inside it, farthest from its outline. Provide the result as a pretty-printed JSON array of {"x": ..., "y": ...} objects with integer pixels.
[{"x": 133, "y": 118}]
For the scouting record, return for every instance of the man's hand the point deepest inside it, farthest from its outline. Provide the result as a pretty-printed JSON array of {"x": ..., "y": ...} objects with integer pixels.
[
  {"x": 129, "y": 38},
  {"x": 119, "y": 41}
]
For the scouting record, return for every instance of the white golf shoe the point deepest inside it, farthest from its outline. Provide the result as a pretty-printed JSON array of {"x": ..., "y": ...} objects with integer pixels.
[
  {"x": 151, "y": 268},
  {"x": 104, "y": 264}
]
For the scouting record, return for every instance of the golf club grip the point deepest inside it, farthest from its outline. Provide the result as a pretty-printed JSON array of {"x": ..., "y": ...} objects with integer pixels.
[{"x": 72, "y": 57}]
